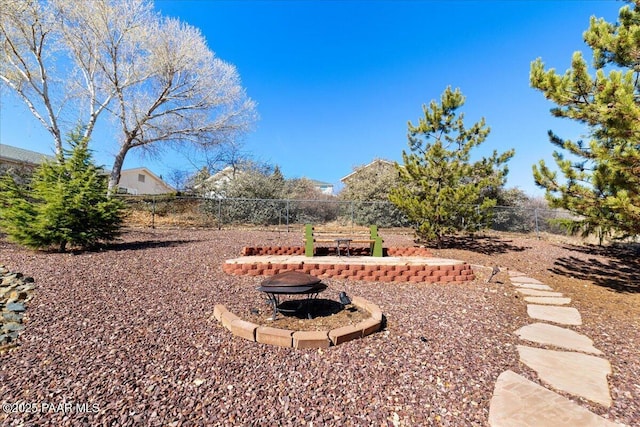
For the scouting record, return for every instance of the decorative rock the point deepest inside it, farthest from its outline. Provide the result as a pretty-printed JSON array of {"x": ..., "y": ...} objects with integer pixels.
[
  {"x": 548, "y": 300},
  {"x": 15, "y": 290},
  {"x": 12, "y": 327},
  {"x": 27, "y": 287},
  {"x": 518, "y": 402},
  {"x": 15, "y": 306},
  {"x": 10, "y": 316},
  {"x": 562, "y": 315},
  {"x": 543, "y": 333},
  {"x": 575, "y": 373}
]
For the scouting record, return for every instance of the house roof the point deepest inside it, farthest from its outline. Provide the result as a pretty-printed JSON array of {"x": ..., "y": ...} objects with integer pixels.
[
  {"x": 224, "y": 173},
  {"x": 320, "y": 183},
  {"x": 21, "y": 155},
  {"x": 375, "y": 162}
]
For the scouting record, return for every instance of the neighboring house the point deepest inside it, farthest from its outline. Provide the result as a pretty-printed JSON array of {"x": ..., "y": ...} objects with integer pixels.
[
  {"x": 220, "y": 178},
  {"x": 217, "y": 181},
  {"x": 132, "y": 181},
  {"x": 212, "y": 186},
  {"x": 142, "y": 181},
  {"x": 323, "y": 187},
  {"x": 20, "y": 159},
  {"x": 379, "y": 164}
]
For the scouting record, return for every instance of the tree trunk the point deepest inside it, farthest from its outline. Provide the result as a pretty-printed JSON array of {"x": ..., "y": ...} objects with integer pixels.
[{"x": 114, "y": 178}]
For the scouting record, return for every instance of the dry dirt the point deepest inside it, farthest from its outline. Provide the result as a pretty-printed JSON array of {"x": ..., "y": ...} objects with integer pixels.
[
  {"x": 126, "y": 332},
  {"x": 322, "y": 315}
]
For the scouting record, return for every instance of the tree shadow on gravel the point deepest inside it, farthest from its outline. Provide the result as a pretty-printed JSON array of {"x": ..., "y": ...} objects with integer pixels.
[
  {"x": 486, "y": 245},
  {"x": 141, "y": 245},
  {"x": 113, "y": 246},
  {"x": 619, "y": 270}
]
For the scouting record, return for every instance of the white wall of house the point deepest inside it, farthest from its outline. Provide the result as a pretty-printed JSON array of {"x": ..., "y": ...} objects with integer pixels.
[
  {"x": 325, "y": 188},
  {"x": 142, "y": 181}
]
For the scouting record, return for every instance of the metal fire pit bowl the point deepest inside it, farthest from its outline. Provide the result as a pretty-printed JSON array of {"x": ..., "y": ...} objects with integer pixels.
[{"x": 292, "y": 283}]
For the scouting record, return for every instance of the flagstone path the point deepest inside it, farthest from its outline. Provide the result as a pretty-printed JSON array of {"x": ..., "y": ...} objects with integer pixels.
[
  {"x": 519, "y": 402},
  {"x": 548, "y": 300}
]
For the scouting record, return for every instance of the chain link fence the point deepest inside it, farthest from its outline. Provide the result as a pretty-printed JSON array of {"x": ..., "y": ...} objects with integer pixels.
[{"x": 183, "y": 211}]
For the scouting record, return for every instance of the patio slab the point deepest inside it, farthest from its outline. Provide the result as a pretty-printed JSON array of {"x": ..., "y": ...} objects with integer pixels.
[
  {"x": 562, "y": 315},
  {"x": 518, "y": 402},
  {"x": 543, "y": 333},
  {"x": 346, "y": 260},
  {"x": 575, "y": 373}
]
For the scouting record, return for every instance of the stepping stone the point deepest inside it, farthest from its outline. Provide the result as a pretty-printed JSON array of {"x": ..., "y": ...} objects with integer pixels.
[
  {"x": 514, "y": 273},
  {"x": 534, "y": 286},
  {"x": 562, "y": 315},
  {"x": 548, "y": 300},
  {"x": 537, "y": 293},
  {"x": 524, "y": 279},
  {"x": 543, "y": 333},
  {"x": 518, "y": 402},
  {"x": 575, "y": 373}
]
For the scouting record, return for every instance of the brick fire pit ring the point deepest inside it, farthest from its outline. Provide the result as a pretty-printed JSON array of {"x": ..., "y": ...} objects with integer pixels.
[{"x": 302, "y": 339}]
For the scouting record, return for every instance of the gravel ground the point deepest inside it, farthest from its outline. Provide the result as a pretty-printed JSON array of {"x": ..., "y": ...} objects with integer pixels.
[{"x": 126, "y": 333}]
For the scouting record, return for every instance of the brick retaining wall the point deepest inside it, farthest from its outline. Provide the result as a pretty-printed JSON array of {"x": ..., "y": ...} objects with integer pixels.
[
  {"x": 371, "y": 273},
  {"x": 382, "y": 272}
]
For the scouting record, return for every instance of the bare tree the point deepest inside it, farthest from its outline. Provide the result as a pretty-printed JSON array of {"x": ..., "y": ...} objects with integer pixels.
[
  {"x": 155, "y": 76},
  {"x": 28, "y": 42}
]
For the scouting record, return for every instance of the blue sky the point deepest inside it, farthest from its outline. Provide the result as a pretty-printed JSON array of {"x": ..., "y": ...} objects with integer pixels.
[{"x": 336, "y": 81}]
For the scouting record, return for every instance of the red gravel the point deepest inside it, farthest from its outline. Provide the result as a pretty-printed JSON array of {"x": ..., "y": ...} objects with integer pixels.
[{"x": 128, "y": 331}]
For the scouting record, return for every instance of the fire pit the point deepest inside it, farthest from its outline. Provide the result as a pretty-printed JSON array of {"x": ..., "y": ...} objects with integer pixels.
[{"x": 292, "y": 283}]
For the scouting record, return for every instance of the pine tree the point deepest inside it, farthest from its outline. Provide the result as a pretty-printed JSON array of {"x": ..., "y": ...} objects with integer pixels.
[
  {"x": 64, "y": 204},
  {"x": 441, "y": 190},
  {"x": 601, "y": 176}
]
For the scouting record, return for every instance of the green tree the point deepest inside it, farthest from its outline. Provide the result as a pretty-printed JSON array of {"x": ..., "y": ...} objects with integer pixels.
[
  {"x": 513, "y": 211},
  {"x": 65, "y": 203},
  {"x": 601, "y": 181},
  {"x": 249, "y": 191},
  {"x": 441, "y": 190},
  {"x": 253, "y": 180},
  {"x": 307, "y": 204},
  {"x": 368, "y": 189}
]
